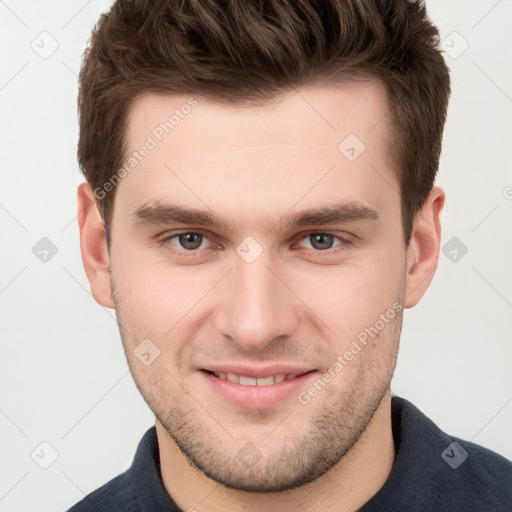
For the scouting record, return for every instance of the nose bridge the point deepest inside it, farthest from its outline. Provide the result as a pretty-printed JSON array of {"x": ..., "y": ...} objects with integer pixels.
[{"x": 258, "y": 307}]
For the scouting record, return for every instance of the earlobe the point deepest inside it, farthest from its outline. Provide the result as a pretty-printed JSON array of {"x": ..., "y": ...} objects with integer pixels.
[
  {"x": 93, "y": 246},
  {"x": 423, "y": 250}
]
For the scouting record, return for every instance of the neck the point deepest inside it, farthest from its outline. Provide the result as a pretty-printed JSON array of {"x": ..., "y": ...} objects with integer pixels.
[{"x": 346, "y": 487}]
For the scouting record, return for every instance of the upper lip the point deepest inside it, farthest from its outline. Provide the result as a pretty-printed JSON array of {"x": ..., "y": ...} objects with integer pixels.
[{"x": 258, "y": 372}]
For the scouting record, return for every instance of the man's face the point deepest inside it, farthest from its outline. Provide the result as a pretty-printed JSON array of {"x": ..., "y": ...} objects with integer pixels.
[{"x": 256, "y": 296}]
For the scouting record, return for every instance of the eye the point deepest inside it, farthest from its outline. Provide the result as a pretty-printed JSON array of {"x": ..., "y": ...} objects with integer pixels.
[
  {"x": 322, "y": 241},
  {"x": 188, "y": 241}
]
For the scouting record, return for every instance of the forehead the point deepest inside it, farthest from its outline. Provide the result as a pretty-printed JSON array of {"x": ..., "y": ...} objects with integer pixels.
[
  {"x": 308, "y": 145},
  {"x": 317, "y": 113}
]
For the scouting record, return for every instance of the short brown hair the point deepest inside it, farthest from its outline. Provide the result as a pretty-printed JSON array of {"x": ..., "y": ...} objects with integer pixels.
[{"x": 249, "y": 51}]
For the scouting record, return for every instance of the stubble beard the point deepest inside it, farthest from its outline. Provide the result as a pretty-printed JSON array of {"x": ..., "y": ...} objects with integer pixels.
[{"x": 340, "y": 423}]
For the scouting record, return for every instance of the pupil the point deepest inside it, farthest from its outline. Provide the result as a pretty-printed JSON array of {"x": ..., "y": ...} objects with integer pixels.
[
  {"x": 325, "y": 241},
  {"x": 187, "y": 240}
]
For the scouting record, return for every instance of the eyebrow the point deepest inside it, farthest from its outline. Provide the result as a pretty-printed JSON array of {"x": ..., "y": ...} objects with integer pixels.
[{"x": 158, "y": 213}]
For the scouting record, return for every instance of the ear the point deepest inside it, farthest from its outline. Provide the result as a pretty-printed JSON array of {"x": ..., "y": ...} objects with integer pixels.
[
  {"x": 423, "y": 250},
  {"x": 93, "y": 245}
]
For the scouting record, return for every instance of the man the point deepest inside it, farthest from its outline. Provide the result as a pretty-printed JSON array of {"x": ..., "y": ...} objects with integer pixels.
[{"x": 260, "y": 209}]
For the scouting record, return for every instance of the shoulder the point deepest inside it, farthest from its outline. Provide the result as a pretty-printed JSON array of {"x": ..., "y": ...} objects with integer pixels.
[
  {"x": 474, "y": 475},
  {"x": 461, "y": 475},
  {"x": 139, "y": 488},
  {"x": 111, "y": 496}
]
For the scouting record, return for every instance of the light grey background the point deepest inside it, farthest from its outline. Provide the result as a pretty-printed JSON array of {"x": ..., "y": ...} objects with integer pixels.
[{"x": 64, "y": 377}]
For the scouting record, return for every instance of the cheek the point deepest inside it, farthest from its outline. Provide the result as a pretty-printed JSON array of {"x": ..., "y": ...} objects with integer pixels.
[
  {"x": 156, "y": 297},
  {"x": 349, "y": 299}
]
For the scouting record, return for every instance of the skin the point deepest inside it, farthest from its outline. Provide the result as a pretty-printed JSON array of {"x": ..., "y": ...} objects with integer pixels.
[{"x": 295, "y": 304}]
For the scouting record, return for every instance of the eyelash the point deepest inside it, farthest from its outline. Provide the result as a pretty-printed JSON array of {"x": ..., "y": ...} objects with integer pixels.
[{"x": 165, "y": 242}]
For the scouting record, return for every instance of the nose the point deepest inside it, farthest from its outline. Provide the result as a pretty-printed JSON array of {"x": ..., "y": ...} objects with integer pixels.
[{"x": 256, "y": 306}]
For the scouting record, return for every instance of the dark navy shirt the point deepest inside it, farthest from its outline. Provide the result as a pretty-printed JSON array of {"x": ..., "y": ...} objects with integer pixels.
[{"x": 432, "y": 471}]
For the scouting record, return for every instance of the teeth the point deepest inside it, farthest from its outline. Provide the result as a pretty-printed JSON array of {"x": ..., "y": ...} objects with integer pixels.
[
  {"x": 251, "y": 381},
  {"x": 247, "y": 381},
  {"x": 232, "y": 377},
  {"x": 266, "y": 381}
]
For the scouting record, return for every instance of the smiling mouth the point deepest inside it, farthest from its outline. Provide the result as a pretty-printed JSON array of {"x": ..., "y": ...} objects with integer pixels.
[{"x": 252, "y": 381}]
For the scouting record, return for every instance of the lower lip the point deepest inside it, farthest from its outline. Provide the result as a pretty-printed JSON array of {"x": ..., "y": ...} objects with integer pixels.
[{"x": 257, "y": 397}]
